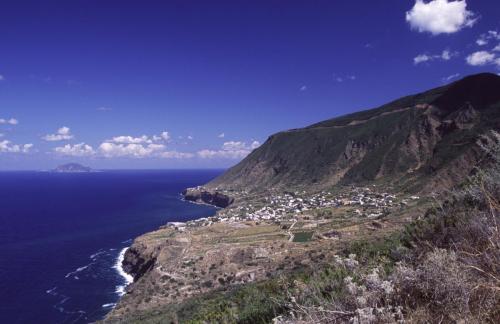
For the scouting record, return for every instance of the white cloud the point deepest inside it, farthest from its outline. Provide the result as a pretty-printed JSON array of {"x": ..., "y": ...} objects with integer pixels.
[
  {"x": 147, "y": 147},
  {"x": 233, "y": 146},
  {"x": 27, "y": 147},
  {"x": 445, "y": 55},
  {"x": 189, "y": 137},
  {"x": 491, "y": 35},
  {"x": 7, "y": 147},
  {"x": 81, "y": 149},
  {"x": 104, "y": 108},
  {"x": 123, "y": 147},
  {"x": 144, "y": 139},
  {"x": 421, "y": 58},
  {"x": 480, "y": 58},
  {"x": 450, "y": 77},
  {"x": 494, "y": 34},
  {"x": 63, "y": 134},
  {"x": 303, "y": 88},
  {"x": 221, "y": 135},
  {"x": 440, "y": 16},
  {"x": 139, "y": 147},
  {"x": 176, "y": 155},
  {"x": 340, "y": 79},
  {"x": 497, "y": 48},
  {"x": 165, "y": 135},
  {"x": 481, "y": 42},
  {"x": 230, "y": 150},
  {"x": 207, "y": 154},
  {"x": 109, "y": 149},
  {"x": 2, "y": 77},
  {"x": 131, "y": 140},
  {"x": 11, "y": 121}
]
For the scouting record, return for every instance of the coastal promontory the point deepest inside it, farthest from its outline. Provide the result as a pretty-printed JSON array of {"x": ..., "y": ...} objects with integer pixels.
[{"x": 211, "y": 197}]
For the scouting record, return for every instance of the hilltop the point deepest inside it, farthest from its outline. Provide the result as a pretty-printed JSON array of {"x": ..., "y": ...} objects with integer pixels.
[{"x": 419, "y": 142}]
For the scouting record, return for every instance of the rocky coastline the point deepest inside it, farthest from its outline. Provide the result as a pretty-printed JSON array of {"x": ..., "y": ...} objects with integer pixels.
[
  {"x": 180, "y": 261},
  {"x": 142, "y": 256},
  {"x": 207, "y": 196}
]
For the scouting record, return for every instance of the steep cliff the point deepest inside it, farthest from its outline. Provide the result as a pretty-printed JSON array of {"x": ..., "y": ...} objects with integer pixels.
[
  {"x": 201, "y": 195},
  {"x": 423, "y": 141}
]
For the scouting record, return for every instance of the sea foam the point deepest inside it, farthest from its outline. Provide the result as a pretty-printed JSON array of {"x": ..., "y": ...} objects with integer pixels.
[
  {"x": 109, "y": 305},
  {"x": 77, "y": 270},
  {"x": 120, "y": 290}
]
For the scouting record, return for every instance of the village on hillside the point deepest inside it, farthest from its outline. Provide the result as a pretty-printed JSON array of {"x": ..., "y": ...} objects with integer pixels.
[{"x": 362, "y": 202}]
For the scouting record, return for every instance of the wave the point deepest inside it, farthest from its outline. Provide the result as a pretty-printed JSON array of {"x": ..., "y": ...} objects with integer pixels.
[
  {"x": 75, "y": 316},
  {"x": 120, "y": 290},
  {"x": 77, "y": 270},
  {"x": 95, "y": 255},
  {"x": 109, "y": 305}
]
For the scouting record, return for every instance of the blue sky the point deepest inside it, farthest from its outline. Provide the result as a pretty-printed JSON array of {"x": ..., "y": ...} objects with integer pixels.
[{"x": 199, "y": 84}]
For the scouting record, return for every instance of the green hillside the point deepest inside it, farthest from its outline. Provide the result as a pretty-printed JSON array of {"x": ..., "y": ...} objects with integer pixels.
[{"x": 408, "y": 141}]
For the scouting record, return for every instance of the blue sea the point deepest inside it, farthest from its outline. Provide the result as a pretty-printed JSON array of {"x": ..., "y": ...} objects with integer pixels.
[{"x": 61, "y": 235}]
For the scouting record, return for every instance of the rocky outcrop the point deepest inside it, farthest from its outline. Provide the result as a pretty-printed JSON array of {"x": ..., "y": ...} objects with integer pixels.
[
  {"x": 170, "y": 266},
  {"x": 215, "y": 198},
  {"x": 138, "y": 261}
]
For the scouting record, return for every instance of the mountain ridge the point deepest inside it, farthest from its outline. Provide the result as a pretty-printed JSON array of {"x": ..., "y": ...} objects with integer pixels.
[{"x": 407, "y": 140}]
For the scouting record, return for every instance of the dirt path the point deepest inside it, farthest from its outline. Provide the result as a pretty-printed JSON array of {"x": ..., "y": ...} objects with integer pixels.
[{"x": 289, "y": 232}]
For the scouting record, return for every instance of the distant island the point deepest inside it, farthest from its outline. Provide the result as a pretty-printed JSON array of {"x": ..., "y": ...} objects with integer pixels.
[{"x": 72, "y": 167}]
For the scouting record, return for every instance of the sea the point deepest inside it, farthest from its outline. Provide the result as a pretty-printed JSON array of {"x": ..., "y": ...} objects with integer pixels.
[{"x": 63, "y": 235}]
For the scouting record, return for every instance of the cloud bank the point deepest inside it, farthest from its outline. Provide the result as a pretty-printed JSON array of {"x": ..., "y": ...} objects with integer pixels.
[
  {"x": 144, "y": 146},
  {"x": 78, "y": 150},
  {"x": 123, "y": 146},
  {"x": 7, "y": 147}
]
